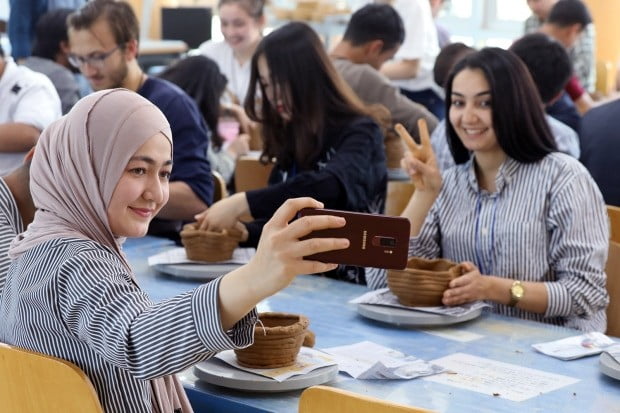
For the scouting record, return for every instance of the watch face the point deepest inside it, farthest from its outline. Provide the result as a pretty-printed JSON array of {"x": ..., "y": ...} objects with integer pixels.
[{"x": 517, "y": 290}]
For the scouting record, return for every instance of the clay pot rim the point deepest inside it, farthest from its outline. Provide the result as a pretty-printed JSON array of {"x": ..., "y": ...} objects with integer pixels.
[
  {"x": 294, "y": 329},
  {"x": 190, "y": 231}
]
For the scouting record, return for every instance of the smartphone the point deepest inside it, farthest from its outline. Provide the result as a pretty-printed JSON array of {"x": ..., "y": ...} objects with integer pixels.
[{"x": 375, "y": 240}]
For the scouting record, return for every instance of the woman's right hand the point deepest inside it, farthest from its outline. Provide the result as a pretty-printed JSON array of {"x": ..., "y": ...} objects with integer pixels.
[
  {"x": 280, "y": 253},
  {"x": 223, "y": 214},
  {"x": 279, "y": 258},
  {"x": 419, "y": 161}
]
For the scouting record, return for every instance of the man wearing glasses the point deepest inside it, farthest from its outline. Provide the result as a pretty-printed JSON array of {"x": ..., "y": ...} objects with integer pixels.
[{"x": 103, "y": 40}]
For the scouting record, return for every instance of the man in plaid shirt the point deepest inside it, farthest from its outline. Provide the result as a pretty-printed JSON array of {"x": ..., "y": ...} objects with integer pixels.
[{"x": 582, "y": 54}]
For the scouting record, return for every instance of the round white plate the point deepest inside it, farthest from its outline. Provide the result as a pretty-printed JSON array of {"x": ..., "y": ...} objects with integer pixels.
[
  {"x": 198, "y": 272},
  {"x": 412, "y": 318},
  {"x": 215, "y": 371},
  {"x": 609, "y": 366}
]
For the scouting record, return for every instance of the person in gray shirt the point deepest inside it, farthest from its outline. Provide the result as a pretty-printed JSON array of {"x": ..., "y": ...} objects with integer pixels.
[
  {"x": 373, "y": 36},
  {"x": 49, "y": 56}
]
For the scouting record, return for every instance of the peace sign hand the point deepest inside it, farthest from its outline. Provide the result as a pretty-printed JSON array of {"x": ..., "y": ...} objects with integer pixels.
[{"x": 419, "y": 160}]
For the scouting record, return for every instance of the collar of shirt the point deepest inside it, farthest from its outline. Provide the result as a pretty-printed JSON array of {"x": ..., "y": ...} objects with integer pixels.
[{"x": 504, "y": 175}]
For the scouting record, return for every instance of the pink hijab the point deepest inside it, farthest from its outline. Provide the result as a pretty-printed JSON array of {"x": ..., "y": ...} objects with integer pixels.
[{"x": 78, "y": 162}]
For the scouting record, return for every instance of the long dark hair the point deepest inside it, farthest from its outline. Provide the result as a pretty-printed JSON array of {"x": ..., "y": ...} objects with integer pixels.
[
  {"x": 201, "y": 79},
  {"x": 314, "y": 93},
  {"x": 518, "y": 118}
]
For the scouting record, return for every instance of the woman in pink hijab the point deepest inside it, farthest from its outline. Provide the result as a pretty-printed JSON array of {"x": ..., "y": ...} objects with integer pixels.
[{"x": 99, "y": 175}]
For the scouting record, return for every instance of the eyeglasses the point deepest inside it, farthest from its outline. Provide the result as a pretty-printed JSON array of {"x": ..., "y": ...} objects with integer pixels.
[{"x": 96, "y": 60}]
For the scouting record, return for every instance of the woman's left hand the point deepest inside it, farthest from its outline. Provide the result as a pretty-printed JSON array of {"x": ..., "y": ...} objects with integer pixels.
[{"x": 471, "y": 286}]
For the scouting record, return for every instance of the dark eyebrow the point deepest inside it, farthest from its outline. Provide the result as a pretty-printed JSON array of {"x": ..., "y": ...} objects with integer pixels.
[
  {"x": 148, "y": 160},
  {"x": 486, "y": 92}
]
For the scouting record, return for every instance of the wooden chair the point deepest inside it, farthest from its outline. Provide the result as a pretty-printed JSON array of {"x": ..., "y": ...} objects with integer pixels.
[
  {"x": 613, "y": 272},
  {"x": 605, "y": 77},
  {"x": 613, "y": 288},
  {"x": 398, "y": 195},
  {"x": 320, "y": 399},
  {"x": 31, "y": 382},
  {"x": 219, "y": 186},
  {"x": 250, "y": 174},
  {"x": 614, "y": 222}
]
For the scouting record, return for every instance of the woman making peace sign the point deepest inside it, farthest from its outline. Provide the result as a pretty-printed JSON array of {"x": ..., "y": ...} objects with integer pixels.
[{"x": 528, "y": 221}]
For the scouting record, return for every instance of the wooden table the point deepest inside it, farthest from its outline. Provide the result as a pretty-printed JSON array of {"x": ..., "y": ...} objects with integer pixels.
[{"x": 336, "y": 323}]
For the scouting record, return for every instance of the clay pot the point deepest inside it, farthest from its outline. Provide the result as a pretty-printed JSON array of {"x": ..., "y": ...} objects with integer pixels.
[
  {"x": 423, "y": 282},
  {"x": 276, "y": 342},
  {"x": 210, "y": 246}
]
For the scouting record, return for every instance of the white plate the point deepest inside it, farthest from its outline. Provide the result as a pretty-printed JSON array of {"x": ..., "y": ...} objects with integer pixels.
[
  {"x": 197, "y": 272},
  {"x": 215, "y": 371},
  {"x": 412, "y": 318},
  {"x": 609, "y": 366}
]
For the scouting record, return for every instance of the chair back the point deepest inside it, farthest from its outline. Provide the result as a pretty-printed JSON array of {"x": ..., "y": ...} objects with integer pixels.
[
  {"x": 614, "y": 222},
  {"x": 219, "y": 186},
  {"x": 31, "y": 382},
  {"x": 321, "y": 399},
  {"x": 398, "y": 196},
  {"x": 250, "y": 174},
  {"x": 613, "y": 288}
]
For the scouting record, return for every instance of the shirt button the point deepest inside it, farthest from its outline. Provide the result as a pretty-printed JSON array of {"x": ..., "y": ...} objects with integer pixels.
[{"x": 484, "y": 231}]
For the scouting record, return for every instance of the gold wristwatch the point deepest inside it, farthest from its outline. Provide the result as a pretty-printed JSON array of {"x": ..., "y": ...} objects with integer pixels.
[{"x": 516, "y": 293}]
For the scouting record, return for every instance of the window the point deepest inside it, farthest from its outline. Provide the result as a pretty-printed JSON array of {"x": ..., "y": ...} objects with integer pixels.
[{"x": 480, "y": 23}]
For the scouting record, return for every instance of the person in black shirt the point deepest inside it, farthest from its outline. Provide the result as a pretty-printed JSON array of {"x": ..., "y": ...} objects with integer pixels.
[{"x": 323, "y": 139}]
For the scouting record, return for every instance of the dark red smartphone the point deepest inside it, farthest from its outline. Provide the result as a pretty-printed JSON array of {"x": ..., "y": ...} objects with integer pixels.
[{"x": 375, "y": 240}]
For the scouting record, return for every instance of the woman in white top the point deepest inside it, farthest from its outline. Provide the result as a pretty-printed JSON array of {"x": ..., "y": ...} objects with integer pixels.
[{"x": 242, "y": 22}]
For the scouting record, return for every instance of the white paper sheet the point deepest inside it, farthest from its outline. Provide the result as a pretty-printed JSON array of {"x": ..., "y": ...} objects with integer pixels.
[
  {"x": 575, "y": 347},
  {"x": 460, "y": 335},
  {"x": 368, "y": 360},
  {"x": 496, "y": 378},
  {"x": 385, "y": 297},
  {"x": 177, "y": 256},
  {"x": 308, "y": 360}
]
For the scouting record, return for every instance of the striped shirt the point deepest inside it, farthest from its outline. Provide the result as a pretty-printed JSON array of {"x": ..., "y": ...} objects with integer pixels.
[
  {"x": 10, "y": 226},
  {"x": 566, "y": 139},
  {"x": 74, "y": 299},
  {"x": 546, "y": 223}
]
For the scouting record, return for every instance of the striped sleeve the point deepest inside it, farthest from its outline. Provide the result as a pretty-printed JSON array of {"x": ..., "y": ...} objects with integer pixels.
[
  {"x": 577, "y": 247},
  {"x": 10, "y": 226},
  {"x": 102, "y": 306}
]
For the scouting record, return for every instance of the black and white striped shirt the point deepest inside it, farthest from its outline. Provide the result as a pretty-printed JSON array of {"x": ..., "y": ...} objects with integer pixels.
[
  {"x": 10, "y": 225},
  {"x": 73, "y": 299},
  {"x": 546, "y": 222}
]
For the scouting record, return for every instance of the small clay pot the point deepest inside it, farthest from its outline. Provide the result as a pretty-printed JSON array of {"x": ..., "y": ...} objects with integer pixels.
[
  {"x": 423, "y": 282},
  {"x": 276, "y": 342},
  {"x": 210, "y": 246}
]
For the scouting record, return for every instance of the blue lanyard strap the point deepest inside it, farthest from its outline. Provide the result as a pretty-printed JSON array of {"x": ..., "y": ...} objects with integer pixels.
[{"x": 485, "y": 265}]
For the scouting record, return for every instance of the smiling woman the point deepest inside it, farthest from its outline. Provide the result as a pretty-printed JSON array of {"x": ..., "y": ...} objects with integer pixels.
[
  {"x": 528, "y": 224},
  {"x": 100, "y": 174},
  {"x": 242, "y": 23},
  {"x": 142, "y": 190}
]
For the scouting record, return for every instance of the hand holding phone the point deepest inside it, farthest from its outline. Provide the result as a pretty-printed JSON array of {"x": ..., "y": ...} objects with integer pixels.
[{"x": 375, "y": 240}]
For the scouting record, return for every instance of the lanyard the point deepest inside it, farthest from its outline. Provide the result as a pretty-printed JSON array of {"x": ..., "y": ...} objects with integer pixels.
[{"x": 485, "y": 265}]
